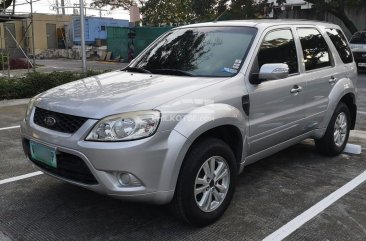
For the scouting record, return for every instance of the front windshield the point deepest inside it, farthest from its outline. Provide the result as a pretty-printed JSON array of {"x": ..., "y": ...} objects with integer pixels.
[
  {"x": 358, "y": 38},
  {"x": 203, "y": 51}
]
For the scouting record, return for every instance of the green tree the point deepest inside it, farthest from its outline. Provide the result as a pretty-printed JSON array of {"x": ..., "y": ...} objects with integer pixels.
[
  {"x": 337, "y": 8},
  {"x": 4, "y": 4},
  {"x": 125, "y": 4},
  {"x": 167, "y": 11},
  {"x": 208, "y": 10},
  {"x": 189, "y": 11},
  {"x": 246, "y": 9}
]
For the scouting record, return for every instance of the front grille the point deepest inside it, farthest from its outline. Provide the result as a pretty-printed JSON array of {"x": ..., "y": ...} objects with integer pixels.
[
  {"x": 359, "y": 55},
  {"x": 60, "y": 122},
  {"x": 69, "y": 166}
]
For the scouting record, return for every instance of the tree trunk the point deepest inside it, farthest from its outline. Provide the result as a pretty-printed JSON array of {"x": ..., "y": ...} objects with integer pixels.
[
  {"x": 338, "y": 11},
  {"x": 347, "y": 22}
]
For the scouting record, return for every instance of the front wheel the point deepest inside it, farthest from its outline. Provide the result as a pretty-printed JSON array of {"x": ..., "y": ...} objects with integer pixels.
[
  {"x": 336, "y": 136},
  {"x": 206, "y": 182}
]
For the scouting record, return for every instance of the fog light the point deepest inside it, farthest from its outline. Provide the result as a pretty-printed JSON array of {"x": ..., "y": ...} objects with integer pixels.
[
  {"x": 124, "y": 179},
  {"x": 127, "y": 180}
]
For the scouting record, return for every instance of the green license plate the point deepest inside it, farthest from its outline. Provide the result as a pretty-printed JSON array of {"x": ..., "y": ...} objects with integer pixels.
[{"x": 43, "y": 154}]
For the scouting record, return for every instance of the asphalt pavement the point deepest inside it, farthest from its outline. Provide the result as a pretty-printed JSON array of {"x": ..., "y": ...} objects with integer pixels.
[{"x": 269, "y": 194}]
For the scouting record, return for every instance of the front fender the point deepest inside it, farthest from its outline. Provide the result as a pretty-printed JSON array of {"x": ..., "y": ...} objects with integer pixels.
[
  {"x": 197, "y": 122},
  {"x": 208, "y": 117}
]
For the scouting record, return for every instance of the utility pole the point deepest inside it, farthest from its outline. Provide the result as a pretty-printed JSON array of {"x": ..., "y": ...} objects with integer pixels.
[
  {"x": 57, "y": 7},
  {"x": 63, "y": 7},
  {"x": 33, "y": 44},
  {"x": 82, "y": 34}
]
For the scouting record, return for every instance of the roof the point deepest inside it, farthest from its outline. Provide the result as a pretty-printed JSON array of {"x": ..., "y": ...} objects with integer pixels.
[
  {"x": 261, "y": 23},
  {"x": 8, "y": 17}
]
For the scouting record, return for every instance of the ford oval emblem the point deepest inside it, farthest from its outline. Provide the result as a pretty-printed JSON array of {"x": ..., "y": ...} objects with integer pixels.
[
  {"x": 364, "y": 55},
  {"x": 49, "y": 121}
]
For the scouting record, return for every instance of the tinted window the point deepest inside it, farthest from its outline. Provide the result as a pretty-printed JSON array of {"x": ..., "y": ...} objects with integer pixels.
[
  {"x": 358, "y": 38},
  {"x": 315, "y": 49},
  {"x": 340, "y": 42},
  {"x": 279, "y": 47},
  {"x": 204, "y": 51}
]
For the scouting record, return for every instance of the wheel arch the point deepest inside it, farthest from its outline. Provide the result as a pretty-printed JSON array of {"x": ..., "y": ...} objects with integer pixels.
[
  {"x": 350, "y": 100},
  {"x": 221, "y": 121},
  {"x": 229, "y": 134},
  {"x": 344, "y": 91}
]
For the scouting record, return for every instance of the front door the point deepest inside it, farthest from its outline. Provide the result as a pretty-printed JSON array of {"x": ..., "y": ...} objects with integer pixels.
[{"x": 276, "y": 111}]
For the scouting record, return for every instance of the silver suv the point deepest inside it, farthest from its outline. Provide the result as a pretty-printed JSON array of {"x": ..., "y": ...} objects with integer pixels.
[{"x": 183, "y": 119}]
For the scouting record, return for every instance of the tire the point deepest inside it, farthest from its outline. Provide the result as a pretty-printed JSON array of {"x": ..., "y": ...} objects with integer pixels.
[
  {"x": 186, "y": 204},
  {"x": 328, "y": 144}
]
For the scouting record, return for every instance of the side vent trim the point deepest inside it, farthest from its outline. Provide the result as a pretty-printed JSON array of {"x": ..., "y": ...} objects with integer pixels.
[{"x": 246, "y": 104}]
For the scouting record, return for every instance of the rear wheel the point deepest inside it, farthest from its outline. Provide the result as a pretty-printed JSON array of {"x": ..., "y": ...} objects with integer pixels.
[
  {"x": 206, "y": 182},
  {"x": 336, "y": 136}
]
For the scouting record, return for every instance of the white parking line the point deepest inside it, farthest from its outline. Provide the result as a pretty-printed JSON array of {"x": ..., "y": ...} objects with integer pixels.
[
  {"x": 14, "y": 179},
  {"x": 9, "y": 128},
  {"x": 300, "y": 220}
]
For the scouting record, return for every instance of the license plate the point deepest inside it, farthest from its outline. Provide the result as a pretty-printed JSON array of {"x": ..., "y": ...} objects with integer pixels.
[
  {"x": 361, "y": 64},
  {"x": 43, "y": 154}
]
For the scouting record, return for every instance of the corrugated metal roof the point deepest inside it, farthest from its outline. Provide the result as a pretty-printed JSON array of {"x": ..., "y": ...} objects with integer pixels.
[{"x": 8, "y": 17}]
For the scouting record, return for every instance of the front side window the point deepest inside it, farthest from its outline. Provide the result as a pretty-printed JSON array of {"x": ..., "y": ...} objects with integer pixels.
[
  {"x": 279, "y": 47},
  {"x": 315, "y": 49},
  {"x": 340, "y": 42},
  {"x": 202, "y": 51}
]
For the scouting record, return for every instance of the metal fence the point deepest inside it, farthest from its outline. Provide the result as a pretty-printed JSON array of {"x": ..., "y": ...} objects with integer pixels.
[{"x": 127, "y": 43}]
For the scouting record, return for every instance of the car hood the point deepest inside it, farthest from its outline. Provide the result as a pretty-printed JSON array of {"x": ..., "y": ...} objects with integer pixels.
[
  {"x": 118, "y": 92},
  {"x": 358, "y": 47}
]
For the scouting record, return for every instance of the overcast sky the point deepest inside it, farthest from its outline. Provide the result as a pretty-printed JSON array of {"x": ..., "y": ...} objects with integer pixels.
[{"x": 45, "y": 6}]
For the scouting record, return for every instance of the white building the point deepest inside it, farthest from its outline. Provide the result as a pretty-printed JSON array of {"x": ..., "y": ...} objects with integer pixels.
[
  {"x": 292, "y": 3},
  {"x": 288, "y": 5}
]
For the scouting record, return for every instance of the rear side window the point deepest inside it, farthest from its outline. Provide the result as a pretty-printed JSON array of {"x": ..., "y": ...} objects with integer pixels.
[
  {"x": 279, "y": 47},
  {"x": 340, "y": 42},
  {"x": 358, "y": 38},
  {"x": 315, "y": 49}
]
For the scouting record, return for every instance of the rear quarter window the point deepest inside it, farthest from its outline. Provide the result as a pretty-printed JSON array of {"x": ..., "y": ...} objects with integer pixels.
[{"x": 340, "y": 42}]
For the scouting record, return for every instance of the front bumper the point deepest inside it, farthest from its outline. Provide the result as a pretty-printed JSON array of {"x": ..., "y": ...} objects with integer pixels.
[{"x": 155, "y": 161}]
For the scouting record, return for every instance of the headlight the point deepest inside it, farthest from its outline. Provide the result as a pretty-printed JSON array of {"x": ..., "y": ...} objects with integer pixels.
[
  {"x": 30, "y": 107},
  {"x": 125, "y": 127}
]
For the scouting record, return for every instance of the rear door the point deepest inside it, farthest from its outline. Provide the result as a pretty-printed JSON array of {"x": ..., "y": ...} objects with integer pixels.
[
  {"x": 275, "y": 112},
  {"x": 319, "y": 71}
]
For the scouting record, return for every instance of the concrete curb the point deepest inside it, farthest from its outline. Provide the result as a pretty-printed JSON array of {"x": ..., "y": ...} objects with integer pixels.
[
  {"x": 4, "y": 103},
  {"x": 3, "y": 237},
  {"x": 358, "y": 134}
]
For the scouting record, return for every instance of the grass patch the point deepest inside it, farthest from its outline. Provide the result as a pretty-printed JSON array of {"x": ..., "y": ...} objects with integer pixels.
[{"x": 35, "y": 83}]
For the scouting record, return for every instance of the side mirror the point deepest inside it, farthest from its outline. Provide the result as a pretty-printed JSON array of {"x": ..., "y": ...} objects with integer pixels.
[{"x": 273, "y": 71}]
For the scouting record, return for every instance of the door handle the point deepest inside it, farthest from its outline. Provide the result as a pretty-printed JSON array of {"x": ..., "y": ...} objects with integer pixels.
[
  {"x": 333, "y": 80},
  {"x": 296, "y": 89}
]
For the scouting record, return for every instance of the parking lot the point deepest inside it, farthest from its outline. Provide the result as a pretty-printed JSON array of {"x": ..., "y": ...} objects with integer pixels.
[{"x": 269, "y": 194}]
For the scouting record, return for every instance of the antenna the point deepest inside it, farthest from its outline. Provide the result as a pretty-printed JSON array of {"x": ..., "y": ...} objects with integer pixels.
[{"x": 218, "y": 18}]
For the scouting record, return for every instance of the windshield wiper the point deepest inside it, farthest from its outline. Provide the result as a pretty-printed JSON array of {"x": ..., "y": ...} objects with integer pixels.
[
  {"x": 171, "y": 71},
  {"x": 137, "y": 69}
]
